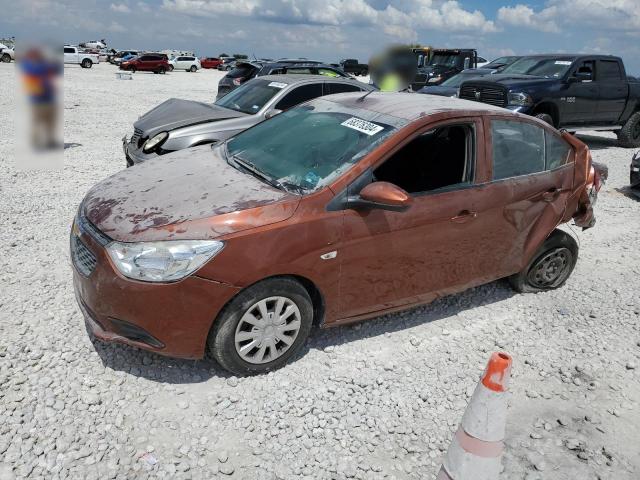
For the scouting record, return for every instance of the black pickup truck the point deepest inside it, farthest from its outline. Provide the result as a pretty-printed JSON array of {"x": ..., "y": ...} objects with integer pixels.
[
  {"x": 444, "y": 64},
  {"x": 351, "y": 65},
  {"x": 574, "y": 92}
]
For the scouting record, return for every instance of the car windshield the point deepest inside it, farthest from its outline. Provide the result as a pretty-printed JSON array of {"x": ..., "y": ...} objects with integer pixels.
[
  {"x": 305, "y": 148},
  {"x": 442, "y": 59},
  {"x": 541, "y": 67},
  {"x": 250, "y": 97}
]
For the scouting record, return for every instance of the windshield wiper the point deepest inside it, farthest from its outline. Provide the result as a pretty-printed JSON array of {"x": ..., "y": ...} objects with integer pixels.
[{"x": 257, "y": 172}]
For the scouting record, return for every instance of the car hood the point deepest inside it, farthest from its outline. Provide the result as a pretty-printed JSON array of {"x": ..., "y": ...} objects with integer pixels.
[
  {"x": 439, "y": 90},
  {"x": 190, "y": 194},
  {"x": 176, "y": 113},
  {"x": 516, "y": 81}
]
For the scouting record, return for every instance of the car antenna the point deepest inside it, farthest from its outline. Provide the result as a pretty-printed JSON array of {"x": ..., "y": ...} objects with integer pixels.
[{"x": 361, "y": 99}]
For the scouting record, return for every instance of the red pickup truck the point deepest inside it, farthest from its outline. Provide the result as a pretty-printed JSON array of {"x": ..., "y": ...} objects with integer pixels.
[{"x": 152, "y": 62}]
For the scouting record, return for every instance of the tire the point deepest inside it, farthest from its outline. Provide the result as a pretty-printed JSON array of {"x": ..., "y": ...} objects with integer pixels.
[
  {"x": 545, "y": 117},
  {"x": 133, "y": 69},
  {"x": 629, "y": 135},
  {"x": 193, "y": 68},
  {"x": 364, "y": 73},
  {"x": 559, "y": 250},
  {"x": 6, "y": 58},
  {"x": 86, "y": 63},
  {"x": 162, "y": 70},
  {"x": 221, "y": 342}
]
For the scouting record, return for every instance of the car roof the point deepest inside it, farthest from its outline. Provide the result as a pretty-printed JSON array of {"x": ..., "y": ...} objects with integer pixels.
[
  {"x": 410, "y": 106},
  {"x": 290, "y": 78}
]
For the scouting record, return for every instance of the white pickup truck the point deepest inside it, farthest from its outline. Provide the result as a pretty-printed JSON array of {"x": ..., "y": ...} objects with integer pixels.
[
  {"x": 6, "y": 53},
  {"x": 74, "y": 55}
]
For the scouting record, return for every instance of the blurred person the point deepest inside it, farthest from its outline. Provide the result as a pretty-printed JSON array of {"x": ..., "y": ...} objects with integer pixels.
[{"x": 39, "y": 73}]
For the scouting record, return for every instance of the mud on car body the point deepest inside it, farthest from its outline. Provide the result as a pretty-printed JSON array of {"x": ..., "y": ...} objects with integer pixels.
[
  {"x": 177, "y": 124},
  {"x": 341, "y": 209}
]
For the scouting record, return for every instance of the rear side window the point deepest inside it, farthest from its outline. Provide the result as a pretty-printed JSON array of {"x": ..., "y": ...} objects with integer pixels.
[
  {"x": 556, "y": 151},
  {"x": 300, "y": 95},
  {"x": 518, "y": 149},
  {"x": 340, "y": 88},
  {"x": 609, "y": 70}
]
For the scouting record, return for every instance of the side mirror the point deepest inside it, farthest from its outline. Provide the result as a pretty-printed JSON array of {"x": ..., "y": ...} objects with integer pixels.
[
  {"x": 580, "y": 77},
  {"x": 272, "y": 113},
  {"x": 382, "y": 195}
]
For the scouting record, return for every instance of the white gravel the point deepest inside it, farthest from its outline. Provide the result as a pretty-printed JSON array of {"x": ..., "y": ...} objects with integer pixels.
[{"x": 371, "y": 401}]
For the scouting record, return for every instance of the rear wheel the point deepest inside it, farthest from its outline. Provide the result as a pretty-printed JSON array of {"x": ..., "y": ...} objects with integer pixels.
[
  {"x": 193, "y": 68},
  {"x": 551, "y": 265},
  {"x": 629, "y": 135},
  {"x": 545, "y": 117},
  {"x": 6, "y": 58},
  {"x": 262, "y": 327},
  {"x": 86, "y": 63}
]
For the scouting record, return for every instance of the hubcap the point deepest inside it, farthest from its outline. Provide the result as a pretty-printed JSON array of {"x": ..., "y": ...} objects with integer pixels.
[
  {"x": 267, "y": 330},
  {"x": 551, "y": 269}
]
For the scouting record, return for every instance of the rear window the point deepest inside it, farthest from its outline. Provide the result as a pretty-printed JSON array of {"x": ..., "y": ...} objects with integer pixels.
[{"x": 242, "y": 71}]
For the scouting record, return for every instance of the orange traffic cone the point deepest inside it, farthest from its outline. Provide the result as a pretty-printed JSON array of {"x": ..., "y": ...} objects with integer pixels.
[{"x": 476, "y": 448}]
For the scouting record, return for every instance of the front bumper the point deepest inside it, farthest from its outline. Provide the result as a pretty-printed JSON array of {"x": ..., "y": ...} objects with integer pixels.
[{"x": 171, "y": 319}]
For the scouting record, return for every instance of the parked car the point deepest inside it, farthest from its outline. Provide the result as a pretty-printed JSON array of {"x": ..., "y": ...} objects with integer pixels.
[
  {"x": 73, "y": 55},
  {"x": 177, "y": 124},
  {"x": 449, "y": 88},
  {"x": 188, "y": 64},
  {"x": 575, "y": 92},
  {"x": 635, "y": 174},
  {"x": 443, "y": 64},
  {"x": 122, "y": 56},
  {"x": 352, "y": 66},
  {"x": 227, "y": 63},
  {"x": 151, "y": 62},
  {"x": 7, "y": 53},
  {"x": 244, "y": 71},
  {"x": 210, "y": 62},
  {"x": 325, "y": 214}
]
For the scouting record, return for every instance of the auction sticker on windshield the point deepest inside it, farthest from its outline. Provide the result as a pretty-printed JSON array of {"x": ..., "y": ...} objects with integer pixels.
[
  {"x": 362, "y": 126},
  {"x": 562, "y": 62},
  {"x": 277, "y": 84}
]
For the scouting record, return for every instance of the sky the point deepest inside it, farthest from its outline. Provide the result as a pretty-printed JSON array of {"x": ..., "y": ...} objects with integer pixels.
[{"x": 329, "y": 30}]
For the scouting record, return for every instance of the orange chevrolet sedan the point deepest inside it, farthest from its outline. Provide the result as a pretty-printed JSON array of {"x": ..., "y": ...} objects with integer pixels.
[{"x": 346, "y": 207}]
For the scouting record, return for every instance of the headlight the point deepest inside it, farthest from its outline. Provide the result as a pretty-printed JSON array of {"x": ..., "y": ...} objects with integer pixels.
[
  {"x": 435, "y": 79},
  {"x": 520, "y": 98},
  {"x": 154, "y": 142},
  {"x": 162, "y": 261}
]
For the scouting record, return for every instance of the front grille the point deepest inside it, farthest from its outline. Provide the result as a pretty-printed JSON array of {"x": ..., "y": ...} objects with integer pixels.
[
  {"x": 83, "y": 259},
  {"x": 136, "y": 138},
  {"x": 484, "y": 94}
]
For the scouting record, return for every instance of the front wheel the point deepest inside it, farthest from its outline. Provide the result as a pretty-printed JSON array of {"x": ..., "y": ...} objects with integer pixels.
[
  {"x": 6, "y": 58},
  {"x": 551, "y": 265},
  {"x": 262, "y": 327},
  {"x": 629, "y": 135},
  {"x": 132, "y": 69},
  {"x": 545, "y": 117},
  {"x": 86, "y": 63}
]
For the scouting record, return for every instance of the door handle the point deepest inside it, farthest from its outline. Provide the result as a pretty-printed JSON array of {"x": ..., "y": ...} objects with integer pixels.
[
  {"x": 464, "y": 216},
  {"x": 551, "y": 195}
]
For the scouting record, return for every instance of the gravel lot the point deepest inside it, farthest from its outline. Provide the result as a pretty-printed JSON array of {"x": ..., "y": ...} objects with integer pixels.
[{"x": 371, "y": 401}]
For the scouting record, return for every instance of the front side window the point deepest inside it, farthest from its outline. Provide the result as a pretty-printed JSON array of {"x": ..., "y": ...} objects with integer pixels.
[
  {"x": 311, "y": 145},
  {"x": 441, "y": 158},
  {"x": 299, "y": 95},
  {"x": 67, "y": 50},
  {"x": 518, "y": 149}
]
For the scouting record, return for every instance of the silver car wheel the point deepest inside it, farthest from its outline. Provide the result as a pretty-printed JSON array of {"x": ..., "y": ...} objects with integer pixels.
[{"x": 267, "y": 329}]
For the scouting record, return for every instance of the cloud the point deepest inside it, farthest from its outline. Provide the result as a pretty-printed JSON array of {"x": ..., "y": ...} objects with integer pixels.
[
  {"x": 120, "y": 8},
  {"x": 116, "y": 28},
  {"x": 563, "y": 15},
  {"x": 400, "y": 18}
]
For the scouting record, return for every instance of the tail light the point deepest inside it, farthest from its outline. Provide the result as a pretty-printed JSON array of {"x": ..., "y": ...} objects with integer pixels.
[{"x": 238, "y": 81}]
